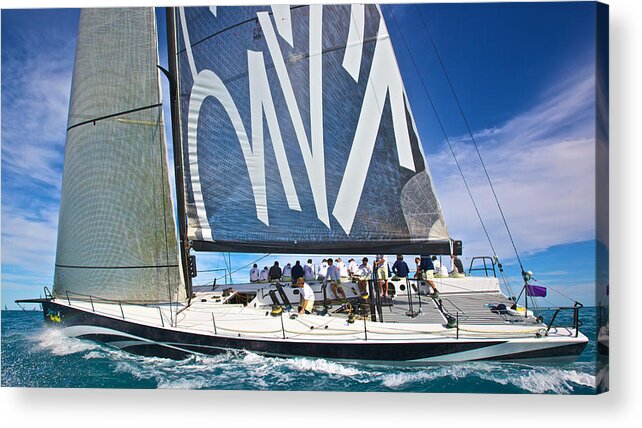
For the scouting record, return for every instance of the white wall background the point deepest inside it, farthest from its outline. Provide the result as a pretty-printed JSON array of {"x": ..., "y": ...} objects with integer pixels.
[{"x": 124, "y": 408}]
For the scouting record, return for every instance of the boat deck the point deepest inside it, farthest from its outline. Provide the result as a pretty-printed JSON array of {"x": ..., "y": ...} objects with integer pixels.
[
  {"x": 211, "y": 315},
  {"x": 471, "y": 301},
  {"x": 246, "y": 311},
  {"x": 469, "y": 308}
]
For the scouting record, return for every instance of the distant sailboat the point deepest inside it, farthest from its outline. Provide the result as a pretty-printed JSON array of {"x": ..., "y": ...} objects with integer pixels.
[{"x": 292, "y": 134}]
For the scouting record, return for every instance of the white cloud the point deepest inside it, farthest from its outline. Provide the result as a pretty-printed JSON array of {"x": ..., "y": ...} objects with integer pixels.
[
  {"x": 542, "y": 164},
  {"x": 35, "y": 99},
  {"x": 29, "y": 242},
  {"x": 36, "y": 76}
]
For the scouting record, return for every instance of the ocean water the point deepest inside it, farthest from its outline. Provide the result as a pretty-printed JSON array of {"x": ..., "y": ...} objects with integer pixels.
[{"x": 39, "y": 355}]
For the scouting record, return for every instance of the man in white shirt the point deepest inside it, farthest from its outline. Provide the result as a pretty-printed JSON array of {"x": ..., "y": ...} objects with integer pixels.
[
  {"x": 323, "y": 270},
  {"x": 343, "y": 269},
  {"x": 335, "y": 280},
  {"x": 306, "y": 297},
  {"x": 440, "y": 269},
  {"x": 263, "y": 277},
  {"x": 287, "y": 272},
  {"x": 254, "y": 274},
  {"x": 352, "y": 268},
  {"x": 364, "y": 272},
  {"x": 308, "y": 271}
]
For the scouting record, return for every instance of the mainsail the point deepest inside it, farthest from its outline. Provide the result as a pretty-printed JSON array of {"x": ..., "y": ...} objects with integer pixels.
[
  {"x": 298, "y": 135},
  {"x": 116, "y": 232}
]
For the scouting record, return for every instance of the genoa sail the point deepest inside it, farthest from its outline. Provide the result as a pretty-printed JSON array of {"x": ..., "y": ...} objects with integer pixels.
[
  {"x": 298, "y": 135},
  {"x": 116, "y": 233}
]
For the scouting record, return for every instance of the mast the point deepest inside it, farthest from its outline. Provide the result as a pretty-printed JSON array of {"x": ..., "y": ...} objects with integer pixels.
[{"x": 177, "y": 148}]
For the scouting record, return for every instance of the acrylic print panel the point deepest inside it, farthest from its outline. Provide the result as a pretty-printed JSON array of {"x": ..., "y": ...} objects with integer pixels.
[{"x": 339, "y": 140}]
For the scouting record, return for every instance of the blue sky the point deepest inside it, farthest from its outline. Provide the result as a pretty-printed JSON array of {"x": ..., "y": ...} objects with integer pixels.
[{"x": 524, "y": 76}]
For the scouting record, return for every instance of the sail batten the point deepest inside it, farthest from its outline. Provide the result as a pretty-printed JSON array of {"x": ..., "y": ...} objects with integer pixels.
[
  {"x": 116, "y": 233},
  {"x": 298, "y": 134}
]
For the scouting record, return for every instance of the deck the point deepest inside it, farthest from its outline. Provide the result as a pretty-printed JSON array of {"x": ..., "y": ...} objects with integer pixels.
[
  {"x": 469, "y": 300},
  {"x": 468, "y": 308}
]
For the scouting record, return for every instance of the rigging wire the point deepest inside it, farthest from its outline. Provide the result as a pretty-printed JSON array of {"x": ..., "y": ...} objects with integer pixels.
[
  {"x": 245, "y": 266},
  {"x": 443, "y": 130},
  {"x": 472, "y": 138}
]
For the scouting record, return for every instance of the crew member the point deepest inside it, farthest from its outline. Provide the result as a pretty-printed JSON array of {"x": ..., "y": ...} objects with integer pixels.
[
  {"x": 287, "y": 272},
  {"x": 425, "y": 272},
  {"x": 458, "y": 267},
  {"x": 364, "y": 272},
  {"x": 306, "y": 297},
  {"x": 335, "y": 280},
  {"x": 297, "y": 271},
  {"x": 275, "y": 272},
  {"x": 381, "y": 266},
  {"x": 254, "y": 273},
  {"x": 400, "y": 268},
  {"x": 308, "y": 271},
  {"x": 265, "y": 274}
]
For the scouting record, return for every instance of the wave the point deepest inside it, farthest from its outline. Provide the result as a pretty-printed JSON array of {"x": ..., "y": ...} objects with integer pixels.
[
  {"x": 230, "y": 370},
  {"x": 397, "y": 380},
  {"x": 306, "y": 365},
  {"x": 54, "y": 341},
  {"x": 527, "y": 378},
  {"x": 556, "y": 381}
]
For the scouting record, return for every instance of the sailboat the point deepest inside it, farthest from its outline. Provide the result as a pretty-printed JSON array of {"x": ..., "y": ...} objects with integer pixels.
[{"x": 292, "y": 134}]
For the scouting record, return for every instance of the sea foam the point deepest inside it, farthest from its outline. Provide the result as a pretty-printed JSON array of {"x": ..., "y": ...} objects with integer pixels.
[{"x": 54, "y": 341}]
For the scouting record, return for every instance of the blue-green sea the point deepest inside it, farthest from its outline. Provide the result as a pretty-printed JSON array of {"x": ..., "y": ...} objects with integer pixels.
[{"x": 38, "y": 355}]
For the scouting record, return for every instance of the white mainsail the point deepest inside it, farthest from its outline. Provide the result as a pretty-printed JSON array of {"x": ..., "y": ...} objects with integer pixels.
[{"x": 116, "y": 233}]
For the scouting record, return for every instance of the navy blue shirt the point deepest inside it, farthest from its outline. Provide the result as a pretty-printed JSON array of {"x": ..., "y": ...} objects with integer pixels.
[
  {"x": 297, "y": 272},
  {"x": 426, "y": 264},
  {"x": 400, "y": 268}
]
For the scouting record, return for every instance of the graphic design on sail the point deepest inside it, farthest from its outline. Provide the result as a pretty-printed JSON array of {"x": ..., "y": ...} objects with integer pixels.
[
  {"x": 116, "y": 232},
  {"x": 298, "y": 134}
]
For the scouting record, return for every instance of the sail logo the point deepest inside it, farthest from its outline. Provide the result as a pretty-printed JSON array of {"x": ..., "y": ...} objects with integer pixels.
[{"x": 383, "y": 82}]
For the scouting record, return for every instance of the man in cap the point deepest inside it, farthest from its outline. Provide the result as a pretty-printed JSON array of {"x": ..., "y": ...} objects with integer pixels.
[
  {"x": 364, "y": 273},
  {"x": 352, "y": 268},
  {"x": 381, "y": 268}
]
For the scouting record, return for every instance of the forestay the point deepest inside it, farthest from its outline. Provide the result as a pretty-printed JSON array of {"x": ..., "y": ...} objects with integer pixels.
[
  {"x": 116, "y": 233},
  {"x": 298, "y": 135}
]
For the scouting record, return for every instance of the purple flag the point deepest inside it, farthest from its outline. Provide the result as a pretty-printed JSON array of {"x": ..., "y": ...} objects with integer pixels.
[{"x": 535, "y": 291}]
